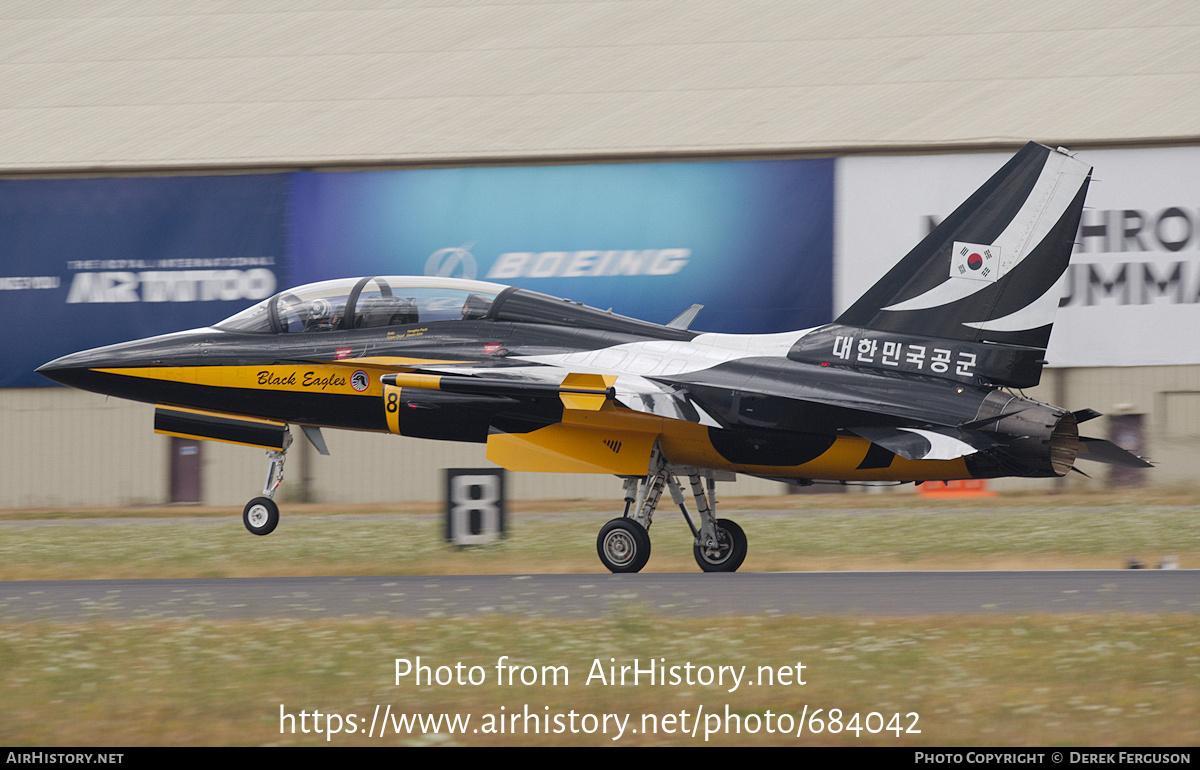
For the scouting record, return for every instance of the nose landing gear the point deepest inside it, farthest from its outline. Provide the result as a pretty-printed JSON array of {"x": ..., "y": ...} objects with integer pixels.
[{"x": 261, "y": 515}]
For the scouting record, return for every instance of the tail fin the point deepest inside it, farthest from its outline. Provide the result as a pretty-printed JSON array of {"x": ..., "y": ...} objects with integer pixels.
[{"x": 990, "y": 271}]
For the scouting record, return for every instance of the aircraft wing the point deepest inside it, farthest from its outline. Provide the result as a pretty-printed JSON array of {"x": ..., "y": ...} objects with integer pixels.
[
  {"x": 675, "y": 398},
  {"x": 676, "y": 401},
  {"x": 589, "y": 402},
  {"x": 640, "y": 394},
  {"x": 589, "y": 435}
]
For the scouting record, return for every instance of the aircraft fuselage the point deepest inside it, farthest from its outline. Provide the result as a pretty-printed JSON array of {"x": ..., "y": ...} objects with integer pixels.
[{"x": 767, "y": 414}]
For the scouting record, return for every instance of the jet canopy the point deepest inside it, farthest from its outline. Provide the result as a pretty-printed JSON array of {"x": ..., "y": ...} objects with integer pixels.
[
  {"x": 379, "y": 301},
  {"x": 364, "y": 303}
]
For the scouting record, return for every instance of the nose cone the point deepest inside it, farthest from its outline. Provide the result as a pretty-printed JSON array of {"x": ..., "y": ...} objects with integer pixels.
[
  {"x": 86, "y": 369},
  {"x": 70, "y": 370}
]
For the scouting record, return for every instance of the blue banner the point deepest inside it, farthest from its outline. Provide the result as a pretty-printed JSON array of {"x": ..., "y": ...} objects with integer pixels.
[
  {"x": 752, "y": 241},
  {"x": 89, "y": 262}
]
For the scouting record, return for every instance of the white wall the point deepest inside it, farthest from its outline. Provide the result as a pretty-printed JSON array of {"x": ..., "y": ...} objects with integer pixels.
[{"x": 113, "y": 84}]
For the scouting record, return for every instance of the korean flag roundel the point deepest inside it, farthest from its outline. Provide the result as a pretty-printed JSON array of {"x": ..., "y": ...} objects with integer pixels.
[{"x": 975, "y": 261}]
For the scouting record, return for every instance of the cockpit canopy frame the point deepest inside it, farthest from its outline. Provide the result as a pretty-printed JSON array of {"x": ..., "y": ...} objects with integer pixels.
[
  {"x": 363, "y": 303},
  {"x": 381, "y": 301}
]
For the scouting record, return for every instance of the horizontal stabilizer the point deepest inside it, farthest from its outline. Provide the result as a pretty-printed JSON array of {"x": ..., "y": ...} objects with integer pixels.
[
  {"x": 1083, "y": 415},
  {"x": 1100, "y": 451},
  {"x": 922, "y": 444}
]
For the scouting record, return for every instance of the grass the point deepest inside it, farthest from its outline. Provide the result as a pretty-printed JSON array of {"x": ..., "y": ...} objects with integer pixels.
[
  {"x": 846, "y": 532},
  {"x": 1074, "y": 681},
  {"x": 1087, "y": 680}
]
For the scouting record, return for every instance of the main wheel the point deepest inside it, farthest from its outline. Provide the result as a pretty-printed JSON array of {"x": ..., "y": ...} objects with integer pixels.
[
  {"x": 731, "y": 549},
  {"x": 261, "y": 515},
  {"x": 623, "y": 545}
]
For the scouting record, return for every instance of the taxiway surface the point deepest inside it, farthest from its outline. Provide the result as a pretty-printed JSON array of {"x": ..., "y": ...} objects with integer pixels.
[{"x": 868, "y": 594}]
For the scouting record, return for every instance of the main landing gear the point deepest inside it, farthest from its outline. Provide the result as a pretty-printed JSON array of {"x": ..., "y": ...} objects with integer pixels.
[
  {"x": 624, "y": 543},
  {"x": 261, "y": 515}
]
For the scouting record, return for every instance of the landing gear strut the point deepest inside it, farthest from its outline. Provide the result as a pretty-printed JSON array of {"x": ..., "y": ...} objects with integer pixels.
[
  {"x": 261, "y": 515},
  {"x": 624, "y": 543}
]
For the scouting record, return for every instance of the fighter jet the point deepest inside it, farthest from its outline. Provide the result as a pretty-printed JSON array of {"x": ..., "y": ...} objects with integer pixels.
[{"x": 917, "y": 381}]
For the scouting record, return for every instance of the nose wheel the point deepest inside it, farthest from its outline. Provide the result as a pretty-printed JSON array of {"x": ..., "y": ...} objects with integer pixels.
[{"x": 261, "y": 516}]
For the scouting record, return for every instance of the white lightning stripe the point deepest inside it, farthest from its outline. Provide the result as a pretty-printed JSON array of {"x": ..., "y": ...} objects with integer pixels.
[
  {"x": 1034, "y": 315},
  {"x": 942, "y": 447},
  {"x": 663, "y": 358},
  {"x": 649, "y": 358},
  {"x": 635, "y": 392},
  {"x": 1056, "y": 186},
  {"x": 634, "y": 362},
  {"x": 705, "y": 418},
  {"x": 663, "y": 403}
]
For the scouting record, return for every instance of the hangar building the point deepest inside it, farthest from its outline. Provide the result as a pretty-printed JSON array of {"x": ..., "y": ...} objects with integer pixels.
[{"x": 112, "y": 90}]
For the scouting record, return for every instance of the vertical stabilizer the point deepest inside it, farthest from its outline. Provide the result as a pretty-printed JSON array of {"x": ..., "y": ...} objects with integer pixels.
[{"x": 990, "y": 271}]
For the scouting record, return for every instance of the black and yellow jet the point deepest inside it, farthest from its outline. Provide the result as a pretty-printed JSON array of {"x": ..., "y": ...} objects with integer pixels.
[{"x": 912, "y": 383}]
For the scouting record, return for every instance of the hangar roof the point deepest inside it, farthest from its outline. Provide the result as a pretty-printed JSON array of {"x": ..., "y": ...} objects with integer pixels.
[{"x": 112, "y": 84}]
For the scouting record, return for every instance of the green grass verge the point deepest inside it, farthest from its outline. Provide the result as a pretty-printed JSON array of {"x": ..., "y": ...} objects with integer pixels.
[
  {"x": 903, "y": 533},
  {"x": 1024, "y": 681},
  {"x": 1042, "y": 680}
]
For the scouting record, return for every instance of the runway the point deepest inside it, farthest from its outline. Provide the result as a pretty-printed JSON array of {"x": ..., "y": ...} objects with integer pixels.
[{"x": 867, "y": 594}]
